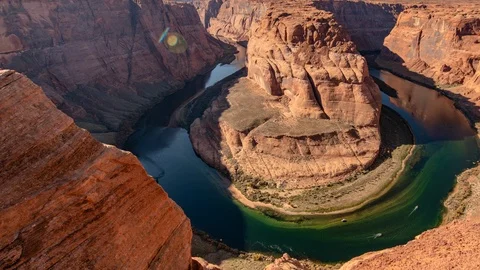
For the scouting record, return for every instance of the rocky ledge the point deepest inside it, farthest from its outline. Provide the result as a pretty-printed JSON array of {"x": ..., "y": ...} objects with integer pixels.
[
  {"x": 67, "y": 200},
  {"x": 308, "y": 113},
  {"x": 103, "y": 63}
]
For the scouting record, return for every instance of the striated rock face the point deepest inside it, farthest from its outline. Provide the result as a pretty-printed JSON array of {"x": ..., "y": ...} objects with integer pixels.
[
  {"x": 231, "y": 19},
  {"x": 101, "y": 62},
  {"x": 454, "y": 246},
  {"x": 368, "y": 23},
  {"x": 309, "y": 113},
  {"x": 67, "y": 200},
  {"x": 437, "y": 45}
]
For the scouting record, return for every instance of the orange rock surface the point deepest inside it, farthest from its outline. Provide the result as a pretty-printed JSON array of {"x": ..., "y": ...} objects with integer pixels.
[
  {"x": 368, "y": 23},
  {"x": 309, "y": 114},
  {"x": 454, "y": 246},
  {"x": 70, "y": 202},
  {"x": 102, "y": 62},
  {"x": 439, "y": 45}
]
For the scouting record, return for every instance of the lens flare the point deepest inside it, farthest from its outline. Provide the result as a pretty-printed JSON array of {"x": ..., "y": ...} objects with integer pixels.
[
  {"x": 172, "y": 40},
  {"x": 175, "y": 43},
  {"x": 164, "y": 35}
]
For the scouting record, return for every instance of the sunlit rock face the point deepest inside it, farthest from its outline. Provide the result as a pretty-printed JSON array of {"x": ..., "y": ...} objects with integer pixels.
[
  {"x": 307, "y": 115},
  {"x": 102, "y": 62},
  {"x": 368, "y": 23},
  {"x": 439, "y": 43},
  {"x": 68, "y": 201}
]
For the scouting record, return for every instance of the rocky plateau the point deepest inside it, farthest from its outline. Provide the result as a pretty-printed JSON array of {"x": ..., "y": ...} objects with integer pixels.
[{"x": 313, "y": 114}]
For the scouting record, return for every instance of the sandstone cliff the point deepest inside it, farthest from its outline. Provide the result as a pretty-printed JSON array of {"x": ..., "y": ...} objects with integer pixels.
[
  {"x": 368, "y": 23},
  {"x": 70, "y": 202},
  {"x": 454, "y": 246},
  {"x": 101, "y": 62},
  {"x": 308, "y": 115},
  {"x": 438, "y": 46}
]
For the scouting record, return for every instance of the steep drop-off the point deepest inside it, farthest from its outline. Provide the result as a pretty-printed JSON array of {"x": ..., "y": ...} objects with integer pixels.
[
  {"x": 368, "y": 23},
  {"x": 101, "y": 62},
  {"x": 67, "y": 200},
  {"x": 439, "y": 46},
  {"x": 307, "y": 115}
]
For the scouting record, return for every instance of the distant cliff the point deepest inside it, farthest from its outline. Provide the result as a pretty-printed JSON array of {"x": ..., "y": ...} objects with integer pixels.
[
  {"x": 439, "y": 46},
  {"x": 102, "y": 62},
  {"x": 368, "y": 23}
]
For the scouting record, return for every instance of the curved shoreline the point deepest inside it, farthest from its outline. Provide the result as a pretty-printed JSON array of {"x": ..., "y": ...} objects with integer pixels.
[
  {"x": 457, "y": 203},
  {"x": 229, "y": 187},
  {"x": 260, "y": 206}
]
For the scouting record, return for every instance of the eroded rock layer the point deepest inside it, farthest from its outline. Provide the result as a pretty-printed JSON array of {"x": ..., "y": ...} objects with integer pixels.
[
  {"x": 436, "y": 45},
  {"x": 67, "y": 200},
  {"x": 368, "y": 23},
  {"x": 102, "y": 62},
  {"x": 454, "y": 246},
  {"x": 307, "y": 115}
]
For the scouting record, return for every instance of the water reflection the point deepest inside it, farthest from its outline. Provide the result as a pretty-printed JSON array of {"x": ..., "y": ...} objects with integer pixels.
[{"x": 433, "y": 116}]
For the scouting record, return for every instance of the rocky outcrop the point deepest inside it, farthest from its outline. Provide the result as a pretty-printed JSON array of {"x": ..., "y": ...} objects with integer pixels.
[
  {"x": 286, "y": 263},
  {"x": 368, "y": 23},
  {"x": 102, "y": 62},
  {"x": 67, "y": 200},
  {"x": 309, "y": 113},
  {"x": 454, "y": 246},
  {"x": 436, "y": 45}
]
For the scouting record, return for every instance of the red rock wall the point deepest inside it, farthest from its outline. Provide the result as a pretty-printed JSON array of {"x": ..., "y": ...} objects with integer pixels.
[
  {"x": 68, "y": 201},
  {"x": 436, "y": 45},
  {"x": 368, "y": 23},
  {"x": 101, "y": 62}
]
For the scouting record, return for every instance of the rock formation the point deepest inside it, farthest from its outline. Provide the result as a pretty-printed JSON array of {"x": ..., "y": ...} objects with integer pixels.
[
  {"x": 438, "y": 46},
  {"x": 102, "y": 62},
  {"x": 286, "y": 263},
  {"x": 442, "y": 47},
  {"x": 309, "y": 114},
  {"x": 454, "y": 246},
  {"x": 67, "y": 200},
  {"x": 368, "y": 23},
  {"x": 231, "y": 19}
]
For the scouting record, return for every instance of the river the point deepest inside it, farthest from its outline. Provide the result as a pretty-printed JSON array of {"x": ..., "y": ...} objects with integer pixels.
[{"x": 445, "y": 148}]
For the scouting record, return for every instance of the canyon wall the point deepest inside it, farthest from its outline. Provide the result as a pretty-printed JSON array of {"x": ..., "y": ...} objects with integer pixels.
[
  {"x": 438, "y": 46},
  {"x": 102, "y": 62},
  {"x": 309, "y": 112},
  {"x": 67, "y": 200},
  {"x": 368, "y": 23}
]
